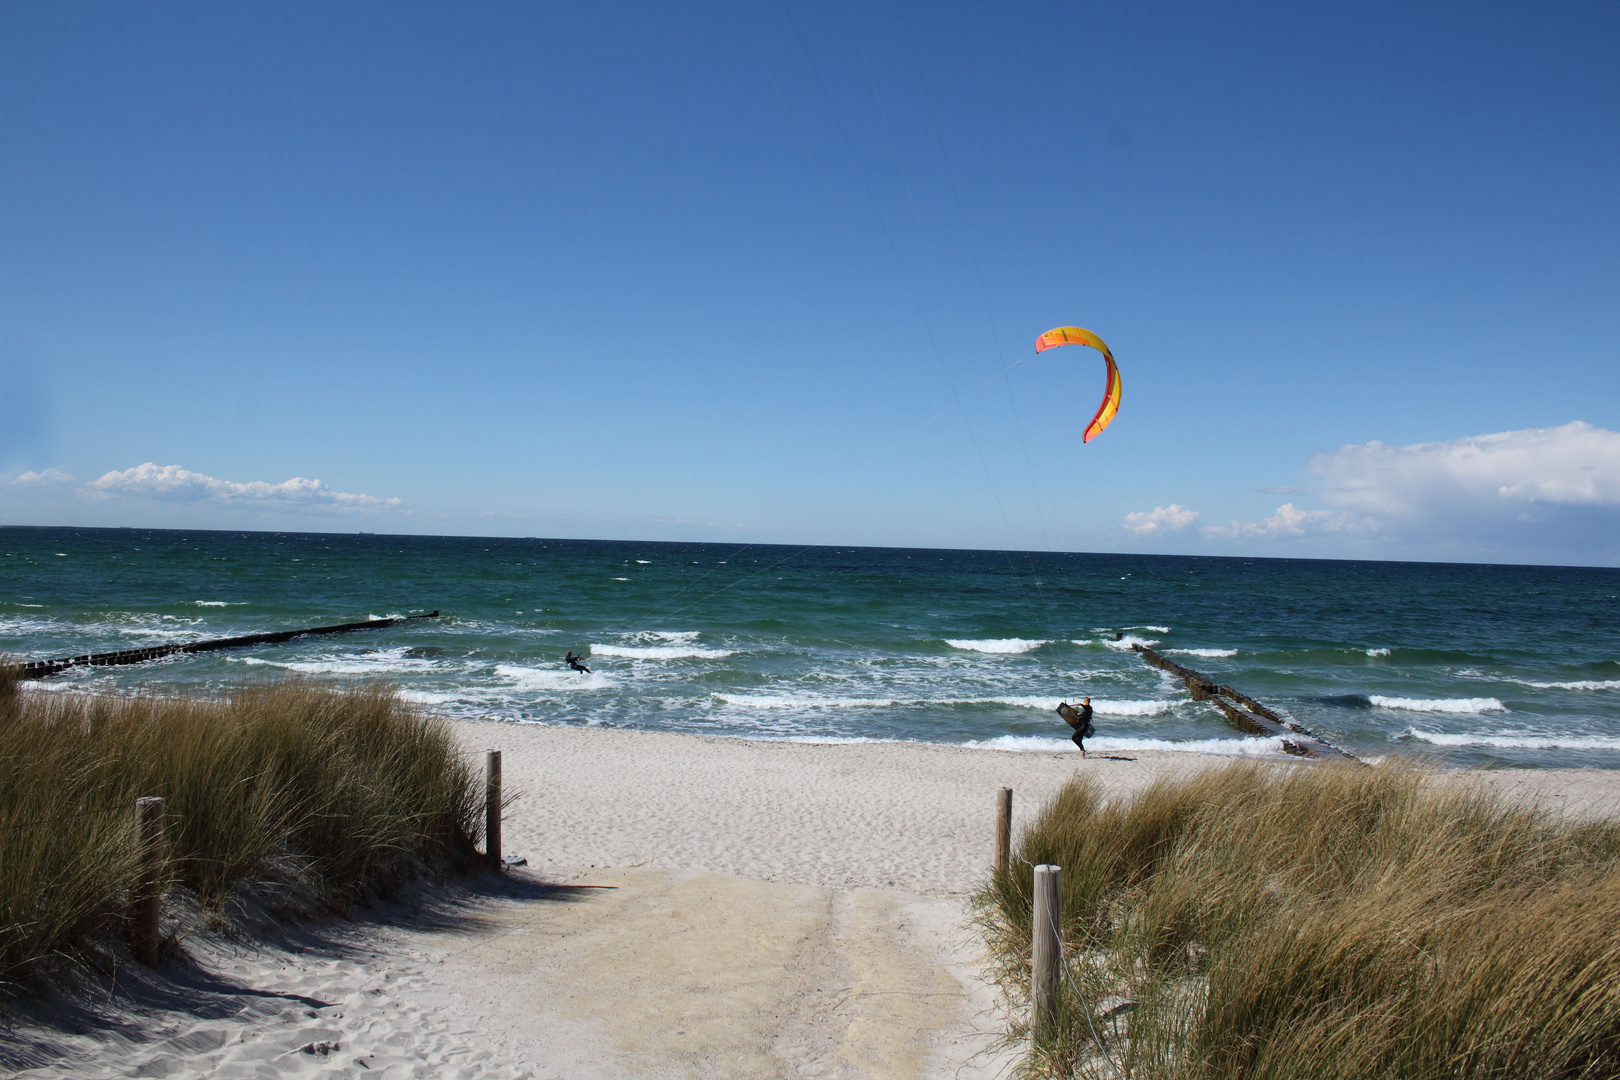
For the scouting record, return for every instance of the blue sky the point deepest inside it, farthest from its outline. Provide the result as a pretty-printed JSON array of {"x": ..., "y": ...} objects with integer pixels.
[{"x": 772, "y": 273}]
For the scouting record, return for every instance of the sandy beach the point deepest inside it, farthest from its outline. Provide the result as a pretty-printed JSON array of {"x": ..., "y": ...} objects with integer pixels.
[{"x": 691, "y": 907}]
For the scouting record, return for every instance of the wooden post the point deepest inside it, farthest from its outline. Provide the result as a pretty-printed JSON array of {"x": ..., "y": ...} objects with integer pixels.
[
  {"x": 146, "y": 899},
  {"x": 1003, "y": 829},
  {"x": 1045, "y": 948},
  {"x": 492, "y": 807}
]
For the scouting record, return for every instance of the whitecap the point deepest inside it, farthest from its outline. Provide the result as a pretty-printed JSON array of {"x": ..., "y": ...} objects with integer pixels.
[
  {"x": 675, "y": 637},
  {"x": 998, "y": 646},
  {"x": 1578, "y": 684},
  {"x": 1518, "y": 742},
  {"x": 220, "y": 603},
  {"x": 376, "y": 663},
  {"x": 1100, "y": 706},
  {"x": 1079, "y": 641},
  {"x": 1154, "y": 629},
  {"x": 1208, "y": 654},
  {"x": 1241, "y": 747},
  {"x": 1124, "y": 644},
  {"x": 1445, "y": 705},
  {"x": 529, "y": 678},
  {"x": 621, "y": 579},
  {"x": 804, "y": 701},
  {"x": 644, "y": 562},
  {"x": 1377, "y": 652},
  {"x": 155, "y": 632},
  {"x": 659, "y": 652}
]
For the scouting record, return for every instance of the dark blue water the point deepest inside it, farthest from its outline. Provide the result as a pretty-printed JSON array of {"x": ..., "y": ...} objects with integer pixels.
[{"x": 1488, "y": 664}]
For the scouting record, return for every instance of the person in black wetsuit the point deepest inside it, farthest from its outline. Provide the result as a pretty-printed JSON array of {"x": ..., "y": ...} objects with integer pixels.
[
  {"x": 576, "y": 662},
  {"x": 1080, "y": 720}
]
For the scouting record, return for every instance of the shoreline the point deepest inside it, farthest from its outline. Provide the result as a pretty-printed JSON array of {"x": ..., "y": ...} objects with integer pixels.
[{"x": 917, "y": 816}]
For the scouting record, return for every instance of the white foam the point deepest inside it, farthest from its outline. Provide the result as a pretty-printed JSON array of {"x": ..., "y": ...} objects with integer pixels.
[
  {"x": 220, "y": 603},
  {"x": 998, "y": 646},
  {"x": 1155, "y": 629},
  {"x": 1151, "y": 707},
  {"x": 1101, "y": 706},
  {"x": 1445, "y": 705},
  {"x": 805, "y": 701},
  {"x": 1080, "y": 641},
  {"x": 1244, "y": 747},
  {"x": 644, "y": 562},
  {"x": 156, "y": 632},
  {"x": 1124, "y": 644},
  {"x": 377, "y": 663},
  {"x": 1208, "y": 654},
  {"x": 529, "y": 678},
  {"x": 1578, "y": 684},
  {"x": 621, "y": 579},
  {"x": 659, "y": 652},
  {"x": 1377, "y": 652},
  {"x": 676, "y": 637},
  {"x": 1519, "y": 742},
  {"x": 426, "y": 697}
]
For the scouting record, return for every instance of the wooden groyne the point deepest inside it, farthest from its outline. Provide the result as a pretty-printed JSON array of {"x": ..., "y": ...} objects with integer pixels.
[
  {"x": 1245, "y": 713},
  {"x": 39, "y": 669}
]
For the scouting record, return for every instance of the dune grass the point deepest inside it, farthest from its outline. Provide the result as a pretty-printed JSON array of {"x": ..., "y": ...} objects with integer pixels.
[
  {"x": 329, "y": 792},
  {"x": 1295, "y": 922}
]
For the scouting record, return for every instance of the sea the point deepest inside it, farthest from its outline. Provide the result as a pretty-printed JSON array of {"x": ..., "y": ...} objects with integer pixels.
[{"x": 1467, "y": 665}]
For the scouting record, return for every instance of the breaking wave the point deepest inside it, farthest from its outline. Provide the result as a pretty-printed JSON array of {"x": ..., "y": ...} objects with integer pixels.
[
  {"x": 1578, "y": 684},
  {"x": 1445, "y": 705},
  {"x": 1518, "y": 742},
  {"x": 1241, "y": 747},
  {"x": 660, "y": 652},
  {"x": 1000, "y": 646},
  {"x": 545, "y": 679},
  {"x": 1150, "y": 707},
  {"x": 1208, "y": 654}
]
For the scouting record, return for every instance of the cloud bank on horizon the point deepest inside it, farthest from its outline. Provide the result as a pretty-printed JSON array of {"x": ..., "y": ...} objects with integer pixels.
[
  {"x": 172, "y": 484},
  {"x": 1553, "y": 491},
  {"x": 1555, "y": 488}
]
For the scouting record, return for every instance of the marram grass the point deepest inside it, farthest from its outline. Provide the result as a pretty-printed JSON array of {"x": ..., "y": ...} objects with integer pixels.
[
  {"x": 337, "y": 791},
  {"x": 1314, "y": 922}
]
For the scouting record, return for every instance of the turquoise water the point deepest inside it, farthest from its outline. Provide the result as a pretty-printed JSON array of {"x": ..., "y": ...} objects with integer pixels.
[{"x": 1487, "y": 664}]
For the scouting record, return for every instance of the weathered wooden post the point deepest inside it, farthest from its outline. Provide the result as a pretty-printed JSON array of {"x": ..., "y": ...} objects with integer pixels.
[
  {"x": 146, "y": 899},
  {"x": 492, "y": 807},
  {"x": 1003, "y": 829},
  {"x": 1046, "y": 950}
]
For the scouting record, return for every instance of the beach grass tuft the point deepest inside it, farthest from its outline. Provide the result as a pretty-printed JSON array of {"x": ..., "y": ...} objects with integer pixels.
[
  {"x": 1261, "y": 921},
  {"x": 327, "y": 793}
]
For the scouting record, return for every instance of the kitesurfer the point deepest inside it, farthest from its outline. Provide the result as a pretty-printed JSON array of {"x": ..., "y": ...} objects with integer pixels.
[
  {"x": 576, "y": 662},
  {"x": 1080, "y": 720}
]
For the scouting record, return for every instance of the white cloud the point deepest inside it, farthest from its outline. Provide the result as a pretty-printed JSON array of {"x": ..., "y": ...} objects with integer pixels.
[
  {"x": 1289, "y": 520},
  {"x": 1166, "y": 518},
  {"x": 1492, "y": 476},
  {"x": 171, "y": 483},
  {"x": 40, "y": 479}
]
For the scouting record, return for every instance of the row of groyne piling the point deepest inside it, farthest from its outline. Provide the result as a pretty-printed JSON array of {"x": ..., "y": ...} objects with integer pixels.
[
  {"x": 39, "y": 669},
  {"x": 1245, "y": 713}
]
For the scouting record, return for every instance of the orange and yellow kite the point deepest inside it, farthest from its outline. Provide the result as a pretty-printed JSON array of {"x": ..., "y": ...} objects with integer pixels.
[{"x": 1074, "y": 335}]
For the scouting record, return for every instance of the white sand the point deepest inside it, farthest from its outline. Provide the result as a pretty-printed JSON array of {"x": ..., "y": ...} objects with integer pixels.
[{"x": 693, "y": 907}]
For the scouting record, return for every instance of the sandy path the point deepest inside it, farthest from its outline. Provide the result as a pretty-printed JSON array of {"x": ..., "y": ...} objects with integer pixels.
[{"x": 694, "y": 907}]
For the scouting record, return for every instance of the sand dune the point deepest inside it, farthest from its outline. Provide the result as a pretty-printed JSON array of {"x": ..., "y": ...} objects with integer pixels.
[{"x": 693, "y": 907}]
